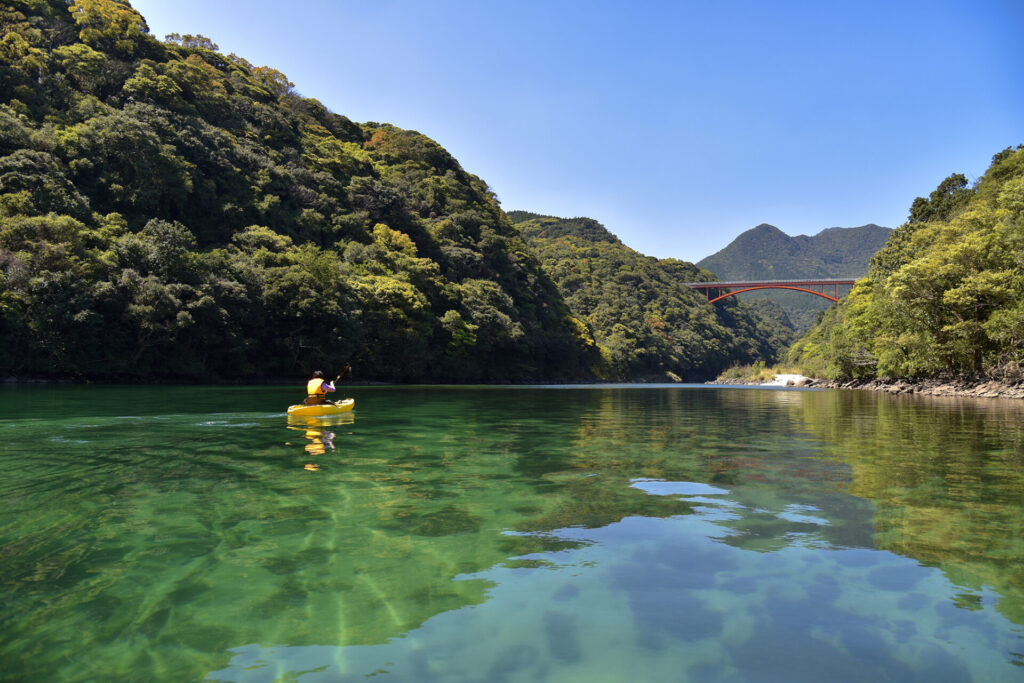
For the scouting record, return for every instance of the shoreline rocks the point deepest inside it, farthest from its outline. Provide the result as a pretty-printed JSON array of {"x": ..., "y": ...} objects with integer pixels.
[{"x": 980, "y": 388}]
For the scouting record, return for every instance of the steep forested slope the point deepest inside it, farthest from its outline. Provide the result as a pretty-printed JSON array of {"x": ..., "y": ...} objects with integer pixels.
[
  {"x": 767, "y": 253},
  {"x": 644, "y": 321},
  {"x": 944, "y": 297},
  {"x": 170, "y": 211}
]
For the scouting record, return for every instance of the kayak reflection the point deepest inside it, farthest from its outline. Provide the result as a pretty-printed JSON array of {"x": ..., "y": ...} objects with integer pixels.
[{"x": 319, "y": 438}]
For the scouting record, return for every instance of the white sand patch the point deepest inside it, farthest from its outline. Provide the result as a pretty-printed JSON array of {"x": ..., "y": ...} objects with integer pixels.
[{"x": 788, "y": 381}]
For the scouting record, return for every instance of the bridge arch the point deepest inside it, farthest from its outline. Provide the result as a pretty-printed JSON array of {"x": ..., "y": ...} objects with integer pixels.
[
  {"x": 723, "y": 290},
  {"x": 833, "y": 299}
]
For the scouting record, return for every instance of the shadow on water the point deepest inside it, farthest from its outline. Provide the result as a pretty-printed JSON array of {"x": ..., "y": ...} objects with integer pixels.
[{"x": 173, "y": 532}]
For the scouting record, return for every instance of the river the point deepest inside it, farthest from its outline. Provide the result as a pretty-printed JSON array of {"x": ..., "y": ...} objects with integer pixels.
[{"x": 600, "y": 533}]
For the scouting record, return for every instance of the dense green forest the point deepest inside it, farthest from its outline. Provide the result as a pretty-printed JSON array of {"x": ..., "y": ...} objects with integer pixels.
[
  {"x": 944, "y": 298},
  {"x": 767, "y": 253},
  {"x": 646, "y": 324},
  {"x": 169, "y": 212}
]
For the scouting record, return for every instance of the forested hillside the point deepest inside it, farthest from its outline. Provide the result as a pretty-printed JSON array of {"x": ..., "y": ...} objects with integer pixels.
[
  {"x": 944, "y": 297},
  {"x": 767, "y": 253},
  {"x": 644, "y": 321},
  {"x": 167, "y": 211}
]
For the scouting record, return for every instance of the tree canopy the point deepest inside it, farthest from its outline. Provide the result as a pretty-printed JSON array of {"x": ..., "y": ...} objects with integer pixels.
[
  {"x": 944, "y": 297},
  {"x": 167, "y": 211}
]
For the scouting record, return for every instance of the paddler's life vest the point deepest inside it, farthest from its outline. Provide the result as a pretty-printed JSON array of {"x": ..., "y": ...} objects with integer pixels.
[{"x": 315, "y": 388}]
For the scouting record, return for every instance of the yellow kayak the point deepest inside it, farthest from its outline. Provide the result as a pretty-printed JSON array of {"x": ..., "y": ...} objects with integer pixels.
[{"x": 324, "y": 410}]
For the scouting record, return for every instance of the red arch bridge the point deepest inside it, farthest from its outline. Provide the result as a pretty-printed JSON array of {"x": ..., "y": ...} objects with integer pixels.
[{"x": 716, "y": 291}]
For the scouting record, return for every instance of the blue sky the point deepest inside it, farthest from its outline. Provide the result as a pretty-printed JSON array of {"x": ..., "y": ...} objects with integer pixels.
[{"x": 676, "y": 124}]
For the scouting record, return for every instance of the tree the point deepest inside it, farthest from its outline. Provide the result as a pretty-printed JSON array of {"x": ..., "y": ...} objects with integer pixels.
[
  {"x": 951, "y": 195},
  {"x": 109, "y": 25},
  {"x": 275, "y": 81},
  {"x": 39, "y": 178},
  {"x": 191, "y": 41},
  {"x": 122, "y": 163}
]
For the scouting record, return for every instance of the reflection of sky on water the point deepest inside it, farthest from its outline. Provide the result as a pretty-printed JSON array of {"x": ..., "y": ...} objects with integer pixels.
[
  {"x": 676, "y": 488},
  {"x": 672, "y": 599}
]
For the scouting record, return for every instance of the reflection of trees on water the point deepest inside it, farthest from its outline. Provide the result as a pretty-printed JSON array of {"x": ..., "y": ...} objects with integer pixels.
[
  {"x": 938, "y": 480},
  {"x": 946, "y": 476},
  {"x": 746, "y": 441}
]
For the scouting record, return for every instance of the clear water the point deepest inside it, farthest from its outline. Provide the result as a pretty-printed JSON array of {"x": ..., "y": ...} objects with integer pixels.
[{"x": 510, "y": 534}]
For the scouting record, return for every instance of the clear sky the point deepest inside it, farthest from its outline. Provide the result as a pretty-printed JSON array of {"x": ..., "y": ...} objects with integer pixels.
[{"x": 676, "y": 124}]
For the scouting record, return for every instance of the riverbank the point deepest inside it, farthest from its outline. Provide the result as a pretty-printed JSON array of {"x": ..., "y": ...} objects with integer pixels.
[{"x": 979, "y": 388}]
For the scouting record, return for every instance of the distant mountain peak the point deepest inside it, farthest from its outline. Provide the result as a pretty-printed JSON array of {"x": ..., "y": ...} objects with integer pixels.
[{"x": 767, "y": 253}]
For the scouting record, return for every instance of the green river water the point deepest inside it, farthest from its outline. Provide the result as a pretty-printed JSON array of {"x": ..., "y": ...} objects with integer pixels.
[{"x": 629, "y": 533}]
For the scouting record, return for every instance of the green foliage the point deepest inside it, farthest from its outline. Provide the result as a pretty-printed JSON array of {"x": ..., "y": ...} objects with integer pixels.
[
  {"x": 109, "y": 25},
  {"x": 635, "y": 310},
  {"x": 275, "y": 81},
  {"x": 86, "y": 67},
  {"x": 537, "y": 226},
  {"x": 189, "y": 40},
  {"x": 34, "y": 183},
  {"x": 942, "y": 298},
  {"x": 950, "y": 196},
  {"x": 170, "y": 212}
]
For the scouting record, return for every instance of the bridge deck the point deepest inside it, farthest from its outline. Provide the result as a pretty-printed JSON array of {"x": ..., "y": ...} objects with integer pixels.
[{"x": 769, "y": 283}]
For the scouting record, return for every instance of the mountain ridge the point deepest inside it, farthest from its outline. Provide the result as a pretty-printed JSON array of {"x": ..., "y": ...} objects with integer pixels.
[
  {"x": 765, "y": 252},
  {"x": 644, "y": 320}
]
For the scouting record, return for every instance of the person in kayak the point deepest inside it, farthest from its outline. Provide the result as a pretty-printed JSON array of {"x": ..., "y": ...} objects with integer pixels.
[{"x": 316, "y": 389}]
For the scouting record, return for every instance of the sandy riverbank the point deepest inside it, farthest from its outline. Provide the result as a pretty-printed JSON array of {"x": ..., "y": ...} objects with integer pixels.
[{"x": 779, "y": 381}]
